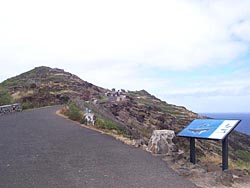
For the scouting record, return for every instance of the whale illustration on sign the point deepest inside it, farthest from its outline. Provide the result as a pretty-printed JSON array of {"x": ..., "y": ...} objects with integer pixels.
[{"x": 200, "y": 129}]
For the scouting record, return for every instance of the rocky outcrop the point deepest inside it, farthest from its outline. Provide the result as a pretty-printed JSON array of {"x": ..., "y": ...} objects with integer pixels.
[
  {"x": 145, "y": 113},
  {"x": 139, "y": 116},
  {"x": 161, "y": 142}
]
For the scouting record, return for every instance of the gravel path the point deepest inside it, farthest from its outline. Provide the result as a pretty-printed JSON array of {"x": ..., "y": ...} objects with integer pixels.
[{"x": 39, "y": 149}]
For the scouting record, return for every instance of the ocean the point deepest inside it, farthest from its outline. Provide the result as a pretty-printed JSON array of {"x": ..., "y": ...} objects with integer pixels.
[{"x": 243, "y": 127}]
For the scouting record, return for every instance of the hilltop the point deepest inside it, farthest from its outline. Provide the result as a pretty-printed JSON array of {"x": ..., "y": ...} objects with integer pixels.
[
  {"x": 134, "y": 113},
  {"x": 45, "y": 86}
]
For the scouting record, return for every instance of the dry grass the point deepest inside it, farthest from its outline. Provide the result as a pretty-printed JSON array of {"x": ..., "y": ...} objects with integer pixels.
[
  {"x": 217, "y": 159},
  {"x": 62, "y": 92},
  {"x": 240, "y": 165},
  {"x": 62, "y": 111},
  {"x": 16, "y": 95},
  {"x": 211, "y": 158},
  {"x": 20, "y": 94}
]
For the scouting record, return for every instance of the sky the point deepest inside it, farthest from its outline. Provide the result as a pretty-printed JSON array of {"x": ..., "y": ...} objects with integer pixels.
[{"x": 193, "y": 53}]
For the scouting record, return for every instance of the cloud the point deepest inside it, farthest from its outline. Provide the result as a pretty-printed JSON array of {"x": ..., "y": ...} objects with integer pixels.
[
  {"x": 126, "y": 76},
  {"x": 215, "y": 104},
  {"x": 170, "y": 34},
  {"x": 116, "y": 43},
  {"x": 241, "y": 30},
  {"x": 213, "y": 86}
]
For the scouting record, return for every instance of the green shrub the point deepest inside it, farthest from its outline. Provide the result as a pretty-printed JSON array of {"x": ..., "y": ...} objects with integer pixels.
[
  {"x": 104, "y": 98},
  {"x": 74, "y": 113},
  {"x": 11, "y": 82},
  {"x": 27, "y": 105},
  {"x": 106, "y": 124},
  {"x": 243, "y": 155},
  {"x": 5, "y": 97},
  {"x": 240, "y": 164}
]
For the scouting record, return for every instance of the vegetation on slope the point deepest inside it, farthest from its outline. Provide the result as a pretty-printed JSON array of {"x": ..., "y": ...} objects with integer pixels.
[
  {"x": 5, "y": 97},
  {"x": 136, "y": 117},
  {"x": 102, "y": 122}
]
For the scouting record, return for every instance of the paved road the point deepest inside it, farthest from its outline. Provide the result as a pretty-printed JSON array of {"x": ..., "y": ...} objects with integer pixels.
[{"x": 39, "y": 149}]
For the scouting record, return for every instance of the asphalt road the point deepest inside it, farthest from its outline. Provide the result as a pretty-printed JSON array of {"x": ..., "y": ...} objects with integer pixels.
[{"x": 39, "y": 149}]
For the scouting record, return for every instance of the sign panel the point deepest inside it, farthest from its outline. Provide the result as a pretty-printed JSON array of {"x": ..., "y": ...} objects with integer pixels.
[{"x": 209, "y": 128}]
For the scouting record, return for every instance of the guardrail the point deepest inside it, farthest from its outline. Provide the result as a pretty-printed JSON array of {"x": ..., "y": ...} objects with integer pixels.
[{"x": 6, "y": 109}]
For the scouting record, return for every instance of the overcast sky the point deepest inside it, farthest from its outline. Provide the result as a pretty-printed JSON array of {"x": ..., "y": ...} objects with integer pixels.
[{"x": 194, "y": 53}]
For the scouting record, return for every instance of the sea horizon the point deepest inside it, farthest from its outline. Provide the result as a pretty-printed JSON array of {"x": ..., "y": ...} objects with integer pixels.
[{"x": 223, "y": 112}]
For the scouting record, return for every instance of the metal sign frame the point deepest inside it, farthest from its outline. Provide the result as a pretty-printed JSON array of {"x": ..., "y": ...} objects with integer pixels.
[{"x": 210, "y": 129}]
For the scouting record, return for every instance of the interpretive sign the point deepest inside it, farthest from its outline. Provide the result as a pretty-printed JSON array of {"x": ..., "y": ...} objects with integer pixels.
[{"x": 209, "y": 128}]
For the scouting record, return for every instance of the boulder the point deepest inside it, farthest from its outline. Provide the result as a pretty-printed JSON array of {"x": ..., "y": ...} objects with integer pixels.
[{"x": 161, "y": 142}]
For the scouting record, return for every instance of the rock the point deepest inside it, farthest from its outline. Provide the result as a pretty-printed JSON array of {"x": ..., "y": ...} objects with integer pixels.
[{"x": 161, "y": 142}]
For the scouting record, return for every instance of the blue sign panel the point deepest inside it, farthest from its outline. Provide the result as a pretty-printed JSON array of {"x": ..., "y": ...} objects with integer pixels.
[{"x": 209, "y": 128}]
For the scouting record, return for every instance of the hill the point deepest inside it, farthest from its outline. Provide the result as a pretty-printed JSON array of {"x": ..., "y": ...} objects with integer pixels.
[
  {"x": 134, "y": 113},
  {"x": 141, "y": 111},
  {"x": 44, "y": 86}
]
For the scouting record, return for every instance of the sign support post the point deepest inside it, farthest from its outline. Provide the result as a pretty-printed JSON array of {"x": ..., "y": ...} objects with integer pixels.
[
  {"x": 225, "y": 154},
  {"x": 210, "y": 129},
  {"x": 192, "y": 150}
]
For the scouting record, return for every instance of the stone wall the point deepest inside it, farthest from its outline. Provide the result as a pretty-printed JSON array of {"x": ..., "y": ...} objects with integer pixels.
[{"x": 10, "y": 108}]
